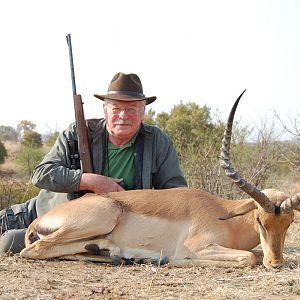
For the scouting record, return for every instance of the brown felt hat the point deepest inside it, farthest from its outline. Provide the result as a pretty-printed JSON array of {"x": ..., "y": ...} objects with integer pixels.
[{"x": 126, "y": 87}]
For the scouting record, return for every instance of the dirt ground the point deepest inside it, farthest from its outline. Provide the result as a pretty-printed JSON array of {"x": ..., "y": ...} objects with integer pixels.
[
  {"x": 28, "y": 279},
  {"x": 54, "y": 279}
]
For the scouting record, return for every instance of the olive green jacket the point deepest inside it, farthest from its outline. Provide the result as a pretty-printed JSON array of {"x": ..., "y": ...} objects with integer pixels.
[{"x": 157, "y": 164}]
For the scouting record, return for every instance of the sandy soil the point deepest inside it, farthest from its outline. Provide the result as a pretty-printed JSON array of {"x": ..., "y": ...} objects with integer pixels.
[
  {"x": 55, "y": 279},
  {"x": 28, "y": 279}
]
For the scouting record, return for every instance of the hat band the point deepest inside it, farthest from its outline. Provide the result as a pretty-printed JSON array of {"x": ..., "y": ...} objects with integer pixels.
[{"x": 126, "y": 93}]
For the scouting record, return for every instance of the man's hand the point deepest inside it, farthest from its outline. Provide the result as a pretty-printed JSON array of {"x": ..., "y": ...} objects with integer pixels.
[{"x": 99, "y": 183}]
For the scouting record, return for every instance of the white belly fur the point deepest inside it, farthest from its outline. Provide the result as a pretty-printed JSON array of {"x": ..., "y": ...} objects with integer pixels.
[{"x": 150, "y": 237}]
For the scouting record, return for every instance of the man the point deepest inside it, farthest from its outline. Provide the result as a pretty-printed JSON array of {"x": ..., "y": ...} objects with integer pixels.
[{"x": 126, "y": 154}]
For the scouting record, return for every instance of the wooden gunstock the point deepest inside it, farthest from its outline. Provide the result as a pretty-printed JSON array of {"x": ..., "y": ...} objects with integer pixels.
[{"x": 83, "y": 142}]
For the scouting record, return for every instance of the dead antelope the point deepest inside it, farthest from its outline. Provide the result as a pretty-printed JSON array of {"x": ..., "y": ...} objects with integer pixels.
[{"x": 184, "y": 226}]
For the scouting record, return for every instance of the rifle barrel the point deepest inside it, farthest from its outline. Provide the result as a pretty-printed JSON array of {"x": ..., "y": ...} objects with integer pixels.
[{"x": 68, "y": 37}]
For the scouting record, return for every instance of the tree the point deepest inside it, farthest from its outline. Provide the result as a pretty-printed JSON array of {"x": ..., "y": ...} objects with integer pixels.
[
  {"x": 190, "y": 125},
  {"x": 149, "y": 117},
  {"x": 3, "y": 153},
  {"x": 291, "y": 151},
  {"x": 8, "y": 133},
  {"x": 25, "y": 125},
  {"x": 197, "y": 140},
  {"x": 28, "y": 158},
  {"x": 32, "y": 139},
  {"x": 162, "y": 120}
]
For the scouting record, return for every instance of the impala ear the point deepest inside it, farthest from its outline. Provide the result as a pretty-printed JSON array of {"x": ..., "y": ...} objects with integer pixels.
[{"x": 241, "y": 210}]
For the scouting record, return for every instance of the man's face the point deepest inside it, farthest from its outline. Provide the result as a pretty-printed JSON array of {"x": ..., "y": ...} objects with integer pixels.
[{"x": 123, "y": 118}]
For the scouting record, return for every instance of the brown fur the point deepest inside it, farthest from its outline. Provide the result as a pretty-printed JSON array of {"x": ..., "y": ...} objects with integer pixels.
[
  {"x": 174, "y": 203},
  {"x": 181, "y": 222}
]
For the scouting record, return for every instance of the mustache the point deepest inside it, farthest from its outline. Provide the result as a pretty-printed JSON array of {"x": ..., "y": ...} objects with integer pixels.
[{"x": 122, "y": 122}]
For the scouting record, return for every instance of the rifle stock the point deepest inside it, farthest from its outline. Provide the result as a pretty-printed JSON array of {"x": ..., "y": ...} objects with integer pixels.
[
  {"x": 81, "y": 127},
  {"x": 82, "y": 135}
]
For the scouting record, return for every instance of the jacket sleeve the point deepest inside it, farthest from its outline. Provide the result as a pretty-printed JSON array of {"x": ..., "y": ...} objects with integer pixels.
[
  {"x": 167, "y": 173},
  {"x": 54, "y": 172}
]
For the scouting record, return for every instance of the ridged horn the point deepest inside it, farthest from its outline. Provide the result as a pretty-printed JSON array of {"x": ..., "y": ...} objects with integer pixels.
[
  {"x": 248, "y": 188},
  {"x": 291, "y": 203}
]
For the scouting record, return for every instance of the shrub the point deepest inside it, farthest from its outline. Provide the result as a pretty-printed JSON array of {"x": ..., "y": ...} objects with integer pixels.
[
  {"x": 28, "y": 158},
  {"x": 32, "y": 139},
  {"x": 3, "y": 153}
]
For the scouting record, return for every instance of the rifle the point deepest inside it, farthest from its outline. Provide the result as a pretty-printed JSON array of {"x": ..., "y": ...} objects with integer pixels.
[{"x": 82, "y": 134}]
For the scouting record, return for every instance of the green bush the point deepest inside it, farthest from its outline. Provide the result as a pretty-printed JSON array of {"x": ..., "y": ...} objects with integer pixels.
[
  {"x": 32, "y": 139},
  {"x": 28, "y": 158},
  {"x": 3, "y": 153}
]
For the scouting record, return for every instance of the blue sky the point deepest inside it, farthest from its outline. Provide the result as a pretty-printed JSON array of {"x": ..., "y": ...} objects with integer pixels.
[{"x": 207, "y": 52}]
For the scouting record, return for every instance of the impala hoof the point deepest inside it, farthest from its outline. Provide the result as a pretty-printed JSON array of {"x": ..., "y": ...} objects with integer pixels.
[
  {"x": 116, "y": 260},
  {"x": 161, "y": 262},
  {"x": 128, "y": 261}
]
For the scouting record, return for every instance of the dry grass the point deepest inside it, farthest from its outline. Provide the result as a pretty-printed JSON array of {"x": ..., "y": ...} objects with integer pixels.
[
  {"x": 290, "y": 184},
  {"x": 14, "y": 188},
  {"x": 10, "y": 166}
]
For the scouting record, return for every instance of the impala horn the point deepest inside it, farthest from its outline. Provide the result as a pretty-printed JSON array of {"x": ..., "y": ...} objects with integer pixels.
[
  {"x": 291, "y": 203},
  {"x": 248, "y": 188}
]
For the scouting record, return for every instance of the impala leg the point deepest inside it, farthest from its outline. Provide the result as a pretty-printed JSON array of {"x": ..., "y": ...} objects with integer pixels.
[
  {"x": 50, "y": 247},
  {"x": 75, "y": 234},
  {"x": 91, "y": 257},
  {"x": 218, "y": 256}
]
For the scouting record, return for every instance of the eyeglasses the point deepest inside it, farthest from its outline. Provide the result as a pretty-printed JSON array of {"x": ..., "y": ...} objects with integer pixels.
[{"x": 132, "y": 111}]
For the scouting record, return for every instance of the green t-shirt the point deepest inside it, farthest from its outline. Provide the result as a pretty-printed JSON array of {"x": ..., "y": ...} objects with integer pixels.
[{"x": 120, "y": 162}]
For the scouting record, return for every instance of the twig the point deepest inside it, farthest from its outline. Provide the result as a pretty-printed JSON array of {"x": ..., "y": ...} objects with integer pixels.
[{"x": 155, "y": 275}]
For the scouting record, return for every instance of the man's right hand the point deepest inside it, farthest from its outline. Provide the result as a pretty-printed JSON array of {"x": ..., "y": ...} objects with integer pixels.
[{"x": 99, "y": 183}]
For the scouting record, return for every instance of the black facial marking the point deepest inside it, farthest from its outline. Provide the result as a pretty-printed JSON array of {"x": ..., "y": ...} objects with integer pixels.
[{"x": 277, "y": 210}]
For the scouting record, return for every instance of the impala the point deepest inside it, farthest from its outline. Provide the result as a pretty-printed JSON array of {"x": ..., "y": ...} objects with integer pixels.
[{"x": 182, "y": 226}]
